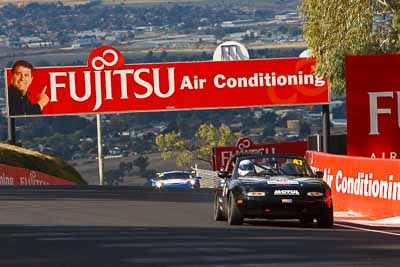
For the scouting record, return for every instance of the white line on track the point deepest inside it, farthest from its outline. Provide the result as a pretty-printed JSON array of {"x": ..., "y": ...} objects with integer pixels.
[{"x": 367, "y": 230}]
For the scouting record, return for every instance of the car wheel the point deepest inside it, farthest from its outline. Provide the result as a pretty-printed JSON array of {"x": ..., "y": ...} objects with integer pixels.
[
  {"x": 234, "y": 215},
  {"x": 218, "y": 214},
  {"x": 325, "y": 219}
]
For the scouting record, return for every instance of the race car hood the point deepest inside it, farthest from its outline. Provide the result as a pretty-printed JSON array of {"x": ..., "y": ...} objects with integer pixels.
[
  {"x": 281, "y": 180},
  {"x": 175, "y": 181}
]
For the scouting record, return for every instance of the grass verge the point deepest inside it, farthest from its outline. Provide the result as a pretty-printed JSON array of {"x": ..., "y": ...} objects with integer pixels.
[{"x": 25, "y": 158}]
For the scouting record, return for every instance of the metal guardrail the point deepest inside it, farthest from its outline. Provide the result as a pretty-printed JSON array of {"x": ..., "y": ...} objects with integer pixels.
[{"x": 209, "y": 179}]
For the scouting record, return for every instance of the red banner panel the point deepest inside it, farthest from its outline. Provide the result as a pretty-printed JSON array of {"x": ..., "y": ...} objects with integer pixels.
[
  {"x": 108, "y": 85},
  {"x": 10, "y": 175},
  {"x": 373, "y": 105},
  {"x": 370, "y": 187},
  {"x": 222, "y": 154}
]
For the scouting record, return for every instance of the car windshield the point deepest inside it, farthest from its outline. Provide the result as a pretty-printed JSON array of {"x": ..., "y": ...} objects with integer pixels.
[
  {"x": 272, "y": 165},
  {"x": 174, "y": 175}
]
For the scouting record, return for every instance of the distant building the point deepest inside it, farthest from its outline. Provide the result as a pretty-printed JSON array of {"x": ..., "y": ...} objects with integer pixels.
[
  {"x": 335, "y": 104},
  {"x": 143, "y": 28},
  {"x": 13, "y": 43},
  {"x": 39, "y": 44},
  {"x": 85, "y": 42},
  {"x": 87, "y": 34},
  {"x": 281, "y": 17},
  {"x": 237, "y": 23},
  {"x": 29, "y": 39},
  {"x": 293, "y": 124},
  {"x": 29, "y": 42}
]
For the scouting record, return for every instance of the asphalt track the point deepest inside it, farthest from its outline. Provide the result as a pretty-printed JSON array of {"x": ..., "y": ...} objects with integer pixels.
[{"x": 129, "y": 226}]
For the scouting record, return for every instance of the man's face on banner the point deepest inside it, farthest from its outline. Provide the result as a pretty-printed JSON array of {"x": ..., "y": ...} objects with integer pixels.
[{"x": 21, "y": 78}]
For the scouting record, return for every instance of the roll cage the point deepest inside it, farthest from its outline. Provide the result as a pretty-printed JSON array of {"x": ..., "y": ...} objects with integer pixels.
[{"x": 274, "y": 165}]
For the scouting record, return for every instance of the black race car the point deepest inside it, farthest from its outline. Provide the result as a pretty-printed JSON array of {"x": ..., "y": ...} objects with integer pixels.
[{"x": 272, "y": 186}]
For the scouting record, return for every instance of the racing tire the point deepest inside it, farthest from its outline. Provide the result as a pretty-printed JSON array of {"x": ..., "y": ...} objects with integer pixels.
[
  {"x": 235, "y": 217},
  {"x": 325, "y": 219},
  {"x": 218, "y": 214}
]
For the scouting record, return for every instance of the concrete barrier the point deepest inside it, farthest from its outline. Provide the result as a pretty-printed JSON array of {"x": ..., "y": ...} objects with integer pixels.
[
  {"x": 370, "y": 187},
  {"x": 209, "y": 179},
  {"x": 10, "y": 175}
]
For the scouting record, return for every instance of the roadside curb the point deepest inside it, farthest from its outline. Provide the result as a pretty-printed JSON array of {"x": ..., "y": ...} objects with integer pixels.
[
  {"x": 369, "y": 223},
  {"x": 359, "y": 219}
]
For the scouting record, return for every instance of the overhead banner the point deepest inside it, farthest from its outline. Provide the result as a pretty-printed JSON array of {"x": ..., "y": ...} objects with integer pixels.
[
  {"x": 221, "y": 155},
  {"x": 373, "y": 105},
  {"x": 108, "y": 85}
]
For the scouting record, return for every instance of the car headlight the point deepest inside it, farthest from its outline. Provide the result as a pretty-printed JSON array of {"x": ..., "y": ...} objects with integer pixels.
[
  {"x": 315, "y": 194},
  {"x": 256, "y": 194},
  {"x": 158, "y": 184}
]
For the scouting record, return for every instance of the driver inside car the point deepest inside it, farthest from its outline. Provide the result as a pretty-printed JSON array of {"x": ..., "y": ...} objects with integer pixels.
[{"x": 246, "y": 168}]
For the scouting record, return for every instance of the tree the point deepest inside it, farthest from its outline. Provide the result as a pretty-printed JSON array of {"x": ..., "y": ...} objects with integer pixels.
[
  {"x": 269, "y": 130},
  {"x": 334, "y": 29},
  {"x": 268, "y": 117},
  {"x": 113, "y": 177},
  {"x": 186, "y": 152},
  {"x": 149, "y": 56},
  {"x": 125, "y": 167},
  {"x": 304, "y": 130},
  {"x": 141, "y": 162},
  {"x": 163, "y": 55}
]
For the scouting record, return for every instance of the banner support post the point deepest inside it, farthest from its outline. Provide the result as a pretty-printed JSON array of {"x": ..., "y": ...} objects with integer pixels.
[
  {"x": 99, "y": 150},
  {"x": 325, "y": 128},
  {"x": 318, "y": 142},
  {"x": 11, "y": 131}
]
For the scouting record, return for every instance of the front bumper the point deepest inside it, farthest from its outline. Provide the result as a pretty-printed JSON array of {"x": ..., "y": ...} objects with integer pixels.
[
  {"x": 178, "y": 185},
  {"x": 283, "y": 207}
]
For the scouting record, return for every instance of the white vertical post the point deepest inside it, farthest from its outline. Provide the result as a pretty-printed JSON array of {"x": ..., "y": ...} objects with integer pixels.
[{"x": 99, "y": 150}]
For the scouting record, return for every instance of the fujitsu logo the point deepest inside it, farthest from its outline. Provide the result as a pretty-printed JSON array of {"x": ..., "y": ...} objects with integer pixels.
[
  {"x": 103, "y": 61},
  {"x": 107, "y": 70},
  {"x": 374, "y": 111},
  {"x": 244, "y": 143}
]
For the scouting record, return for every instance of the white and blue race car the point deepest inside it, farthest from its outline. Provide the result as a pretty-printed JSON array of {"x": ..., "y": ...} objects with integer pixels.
[{"x": 175, "y": 179}]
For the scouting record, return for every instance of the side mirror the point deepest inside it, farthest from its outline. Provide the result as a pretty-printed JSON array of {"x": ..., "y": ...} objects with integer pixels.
[
  {"x": 319, "y": 174},
  {"x": 223, "y": 174}
]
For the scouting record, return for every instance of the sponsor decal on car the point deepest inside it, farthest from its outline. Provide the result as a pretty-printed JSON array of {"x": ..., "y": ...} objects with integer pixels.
[
  {"x": 286, "y": 193},
  {"x": 298, "y": 162},
  {"x": 282, "y": 182}
]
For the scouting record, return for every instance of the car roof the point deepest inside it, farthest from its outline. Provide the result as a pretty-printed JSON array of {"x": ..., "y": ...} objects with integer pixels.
[{"x": 250, "y": 155}]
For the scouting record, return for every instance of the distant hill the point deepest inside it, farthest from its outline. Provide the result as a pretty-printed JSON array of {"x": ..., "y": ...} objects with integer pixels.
[
  {"x": 89, "y": 168},
  {"x": 79, "y": 2},
  {"x": 24, "y": 158},
  {"x": 25, "y": 2}
]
